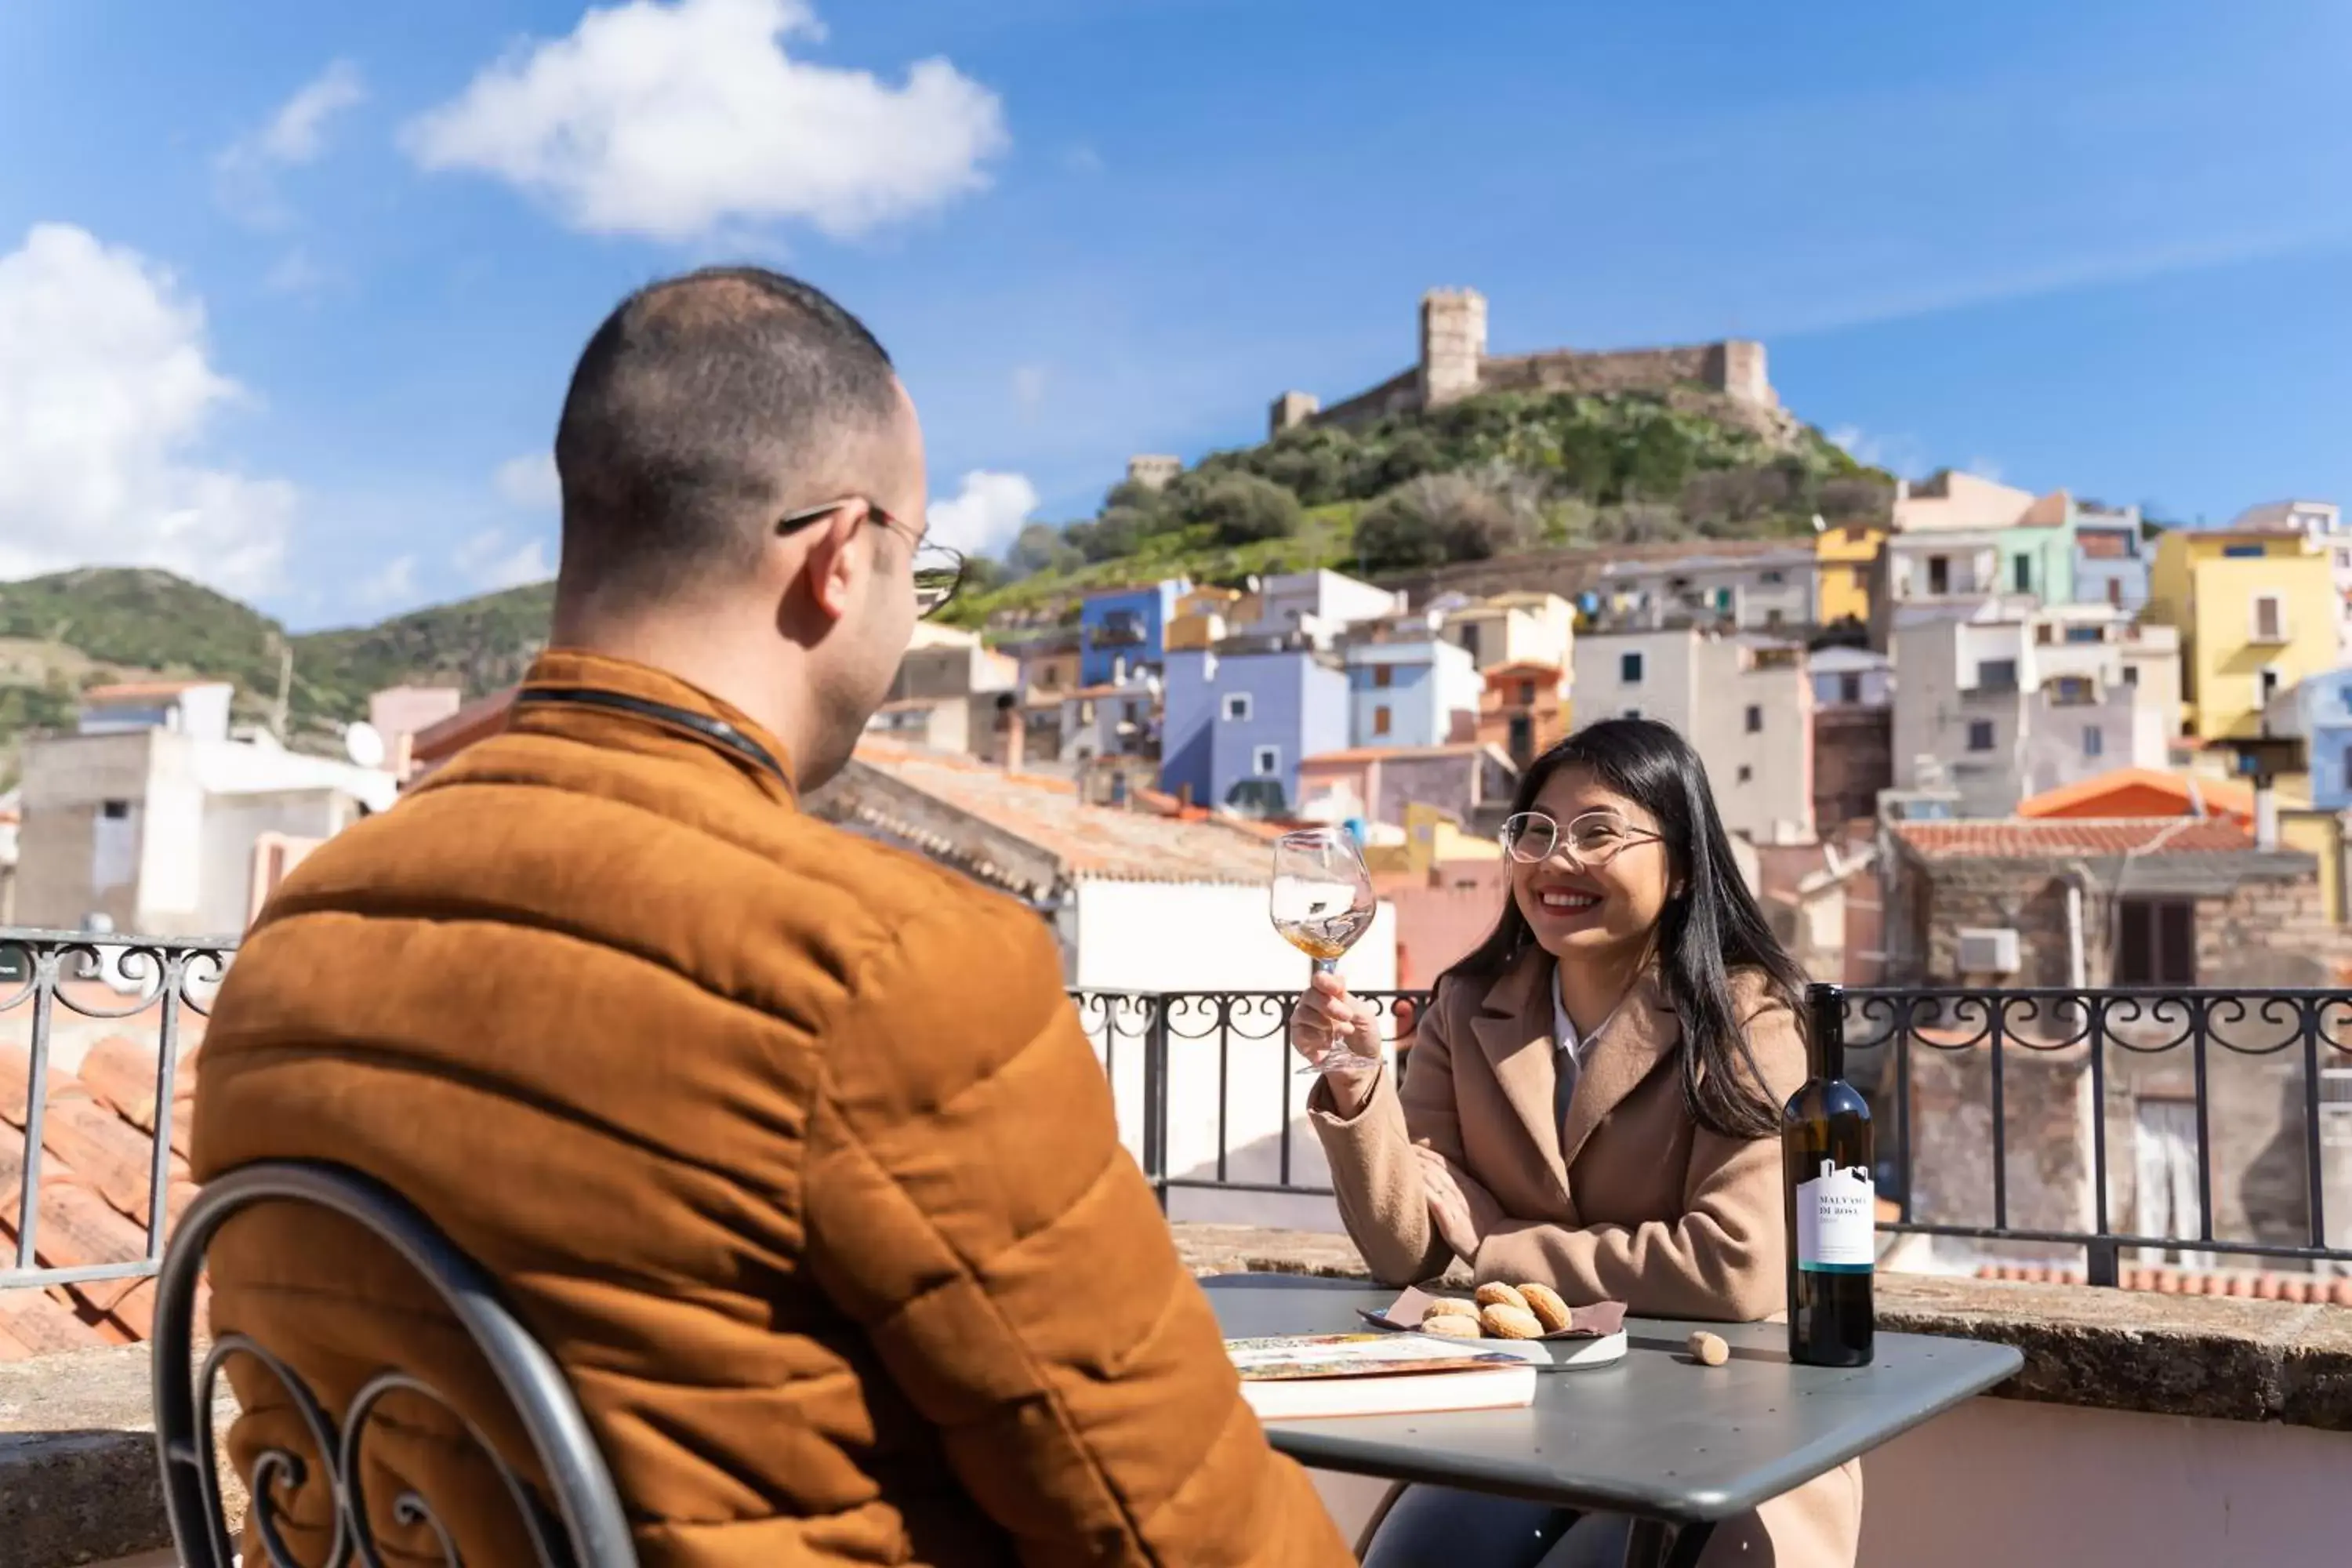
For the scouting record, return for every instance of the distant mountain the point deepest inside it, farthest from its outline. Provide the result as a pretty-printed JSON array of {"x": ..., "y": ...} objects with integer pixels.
[{"x": 61, "y": 633}]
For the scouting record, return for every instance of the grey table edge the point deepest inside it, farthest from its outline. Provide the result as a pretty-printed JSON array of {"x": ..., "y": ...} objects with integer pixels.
[{"x": 1330, "y": 1445}]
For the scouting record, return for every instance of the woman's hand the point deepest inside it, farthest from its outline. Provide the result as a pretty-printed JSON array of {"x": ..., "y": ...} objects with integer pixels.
[
  {"x": 1449, "y": 1209},
  {"x": 1327, "y": 1020}
]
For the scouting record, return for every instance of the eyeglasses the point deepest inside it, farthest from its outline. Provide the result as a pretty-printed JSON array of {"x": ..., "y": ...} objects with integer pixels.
[
  {"x": 1590, "y": 842},
  {"x": 938, "y": 570}
]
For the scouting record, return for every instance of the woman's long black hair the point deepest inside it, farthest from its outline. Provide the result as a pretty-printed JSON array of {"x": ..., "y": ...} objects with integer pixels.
[{"x": 1713, "y": 927}]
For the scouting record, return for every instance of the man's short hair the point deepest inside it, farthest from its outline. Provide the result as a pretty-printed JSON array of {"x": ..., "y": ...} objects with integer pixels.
[{"x": 695, "y": 402}]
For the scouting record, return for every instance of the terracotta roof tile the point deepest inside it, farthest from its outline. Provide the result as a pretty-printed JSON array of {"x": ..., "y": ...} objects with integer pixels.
[
  {"x": 2304, "y": 1289},
  {"x": 142, "y": 690},
  {"x": 2035, "y": 838},
  {"x": 97, "y": 1148}
]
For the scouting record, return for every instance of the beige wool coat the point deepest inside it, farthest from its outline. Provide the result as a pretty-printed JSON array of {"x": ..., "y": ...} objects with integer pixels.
[{"x": 1630, "y": 1200}]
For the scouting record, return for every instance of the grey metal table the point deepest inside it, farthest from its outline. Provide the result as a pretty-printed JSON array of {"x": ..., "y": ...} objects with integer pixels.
[{"x": 1676, "y": 1446}]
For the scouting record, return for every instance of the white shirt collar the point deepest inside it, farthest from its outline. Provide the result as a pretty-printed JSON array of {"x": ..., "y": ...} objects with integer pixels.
[{"x": 1563, "y": 1027}]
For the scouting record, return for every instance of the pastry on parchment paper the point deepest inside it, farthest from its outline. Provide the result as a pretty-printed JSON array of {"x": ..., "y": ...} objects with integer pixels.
[
  {"x": 1550, "y": 1310},
  {"x": 1449, "y": 1307},
  {"x": 1452, "y": 1326},
  {"x": 1511, "y": 1322},
  {"x": 1501, "y": 1295}
]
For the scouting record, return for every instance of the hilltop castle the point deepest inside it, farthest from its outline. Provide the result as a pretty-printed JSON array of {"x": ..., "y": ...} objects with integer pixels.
[{"x": 1454, "y": 364}]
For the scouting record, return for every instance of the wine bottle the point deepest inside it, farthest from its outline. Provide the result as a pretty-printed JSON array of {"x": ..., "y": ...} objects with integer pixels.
[{"x": 1831, "y": 1210}]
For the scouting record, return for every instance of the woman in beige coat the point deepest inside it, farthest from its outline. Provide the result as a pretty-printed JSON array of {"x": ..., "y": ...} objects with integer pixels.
[{"x": 1593, "y": 1102}]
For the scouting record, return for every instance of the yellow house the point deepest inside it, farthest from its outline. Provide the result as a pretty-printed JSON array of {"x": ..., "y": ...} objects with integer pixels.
[
  {"x": 2256, "y": 609},
  {"x": 1202, "y": 617},
  {"x": 1846, "y": 556}
]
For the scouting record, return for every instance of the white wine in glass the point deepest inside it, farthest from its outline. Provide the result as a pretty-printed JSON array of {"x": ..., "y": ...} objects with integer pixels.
[{"x": 1321, "y": 901}]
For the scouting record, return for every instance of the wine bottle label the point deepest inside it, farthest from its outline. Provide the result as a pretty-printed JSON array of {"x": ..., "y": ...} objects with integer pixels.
[{"x": 1837, "y": 1221}]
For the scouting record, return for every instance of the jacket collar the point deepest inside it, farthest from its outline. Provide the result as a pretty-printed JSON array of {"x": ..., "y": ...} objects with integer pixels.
[
  {"x": 1514, "y": 1029},
  {"x": 634, "y": 722}
]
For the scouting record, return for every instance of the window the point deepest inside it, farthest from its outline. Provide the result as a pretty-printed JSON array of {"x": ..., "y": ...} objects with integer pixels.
[
  {"x": 2086, "y": 634},
  {"x": 2164, "y": 1152},
  {"x": 1776, "y": 576},
  {"x": 2267, "y": 686},
  {"x": 2156, "y": 943},
  {"x": 2095, "y": 742},
  {"x": 1979, "y": 734},
  {"x": 1266, "y": 761},
  {"x": 1523, "y": 740},
  {"x": 1747, "y": 773},
  {"x": 1050, "y": 678},
  {"x": 2020, "y": 569},
  {"x": 1629, "y": 669},
  {"x": 1119, "y": 628},
  {"x": 1383, "y": 676},
  {"x": 2073, "y": 692},
  {"x": 2242, "y": 551},
  {"x": 1380, "y": 720},
  {"x": 2131, "y": 675},
  {"x": 115, "y": 811},
  {"x": 1631, "y": 713},
  {"x": 1237, "y": 708},
  {"x": 1997, "y": 675},
  {"x": 2116, "y": 592},
  {"x": 1470, "y": 641},
  {"x": 1755, "y": 719},
  {"x": 1850, "y": 688},
  {"x": 2044, "y": 634},
  {"x": 1772, "y": 617},
  {"x": 1939, "y": 574},
  {"x": 2269, "y": 618}
]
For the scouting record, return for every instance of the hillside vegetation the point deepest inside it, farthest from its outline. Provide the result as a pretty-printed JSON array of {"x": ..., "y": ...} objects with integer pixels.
[{"x": 1483, "y": 476}]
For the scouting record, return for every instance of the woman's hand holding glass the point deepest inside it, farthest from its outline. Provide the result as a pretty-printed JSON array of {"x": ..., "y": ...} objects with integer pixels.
[{"x": 1340, "y": 1037}]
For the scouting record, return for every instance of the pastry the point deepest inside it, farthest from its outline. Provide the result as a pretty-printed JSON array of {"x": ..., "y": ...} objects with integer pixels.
[
  {"x": 1501, "y": 1295},
  {"x": 1452, "y": 1326},
  {"x": 1449, "y": 1307},
  {"x": 1545, "y": 1303},
  {"x": 1708, "y": 1350},
  {"x": 1511, "y": 1322}
]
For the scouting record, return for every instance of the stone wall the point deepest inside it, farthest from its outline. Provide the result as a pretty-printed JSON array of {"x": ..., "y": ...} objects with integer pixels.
[
  {"x": 1735, "y": 369},
  {"x": 1853, "y": 759}
]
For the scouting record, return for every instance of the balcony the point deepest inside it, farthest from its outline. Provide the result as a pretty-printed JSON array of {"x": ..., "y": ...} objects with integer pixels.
[{"x": 2148, "y": 1192}]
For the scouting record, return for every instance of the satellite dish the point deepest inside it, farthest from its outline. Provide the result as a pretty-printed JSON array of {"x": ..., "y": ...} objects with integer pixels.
[{"x": 363, "y": 745}]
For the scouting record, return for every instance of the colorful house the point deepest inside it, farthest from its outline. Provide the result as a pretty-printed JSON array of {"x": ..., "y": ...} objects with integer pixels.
[
  {"x": 2111, "y": 558},
  {"x": 1238, "y": 721},
  {"x": 1513, "y": 629},
  {"x": 2257, "y": 613},
  {"x": 2037, "y": 551},
  {"x": 2317, "y": 710},
  {"x": 1204, "y": 615},
  {"x": 1847, "y": 557},
  {"x": 1122, "y": 631},
  {"x": 1524, "y": 710},
  {"x": 1423, "y": 691}
]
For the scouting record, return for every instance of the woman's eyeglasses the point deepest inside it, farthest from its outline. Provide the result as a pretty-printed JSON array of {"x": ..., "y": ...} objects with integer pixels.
[
  {"x": 938, "y": 570},
  {"x": 1590, "y": 842}
]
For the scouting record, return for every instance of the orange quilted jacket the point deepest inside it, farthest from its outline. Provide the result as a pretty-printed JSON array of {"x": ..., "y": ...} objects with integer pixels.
[{"x": 787, "y": 1146}]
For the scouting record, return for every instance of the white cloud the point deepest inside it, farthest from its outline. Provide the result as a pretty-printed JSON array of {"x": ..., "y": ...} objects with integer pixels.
[
  {"x": 105, "y": 391},
  {"x": 676, "y": 120},
  {"x": 985, "y": 514},
  {"x": 394, "y": 585},
  {"x": 297, "y": 135},
  {"x": 490, "y": 561},
  {"x": 529, "y": 483}
]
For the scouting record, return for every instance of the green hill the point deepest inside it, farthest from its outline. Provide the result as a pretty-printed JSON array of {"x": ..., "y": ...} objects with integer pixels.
[
  {"x": 1492, "y": 475},
  {"x": 61, "y": 633}
]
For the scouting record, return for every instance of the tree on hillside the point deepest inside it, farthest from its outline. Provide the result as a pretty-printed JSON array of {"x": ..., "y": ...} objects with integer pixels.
[
  {"x": 1243, "y": 509},
  {"x": 1436, "y": 518},
  {"x": 1041, "y": 547}
]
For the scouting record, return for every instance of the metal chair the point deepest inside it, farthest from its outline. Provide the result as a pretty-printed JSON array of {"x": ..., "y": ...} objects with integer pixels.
[{"x": 586, "y": 1528}]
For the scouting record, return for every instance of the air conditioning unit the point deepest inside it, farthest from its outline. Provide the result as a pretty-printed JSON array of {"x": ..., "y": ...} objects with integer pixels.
[{"x": 1987, "y": 951}]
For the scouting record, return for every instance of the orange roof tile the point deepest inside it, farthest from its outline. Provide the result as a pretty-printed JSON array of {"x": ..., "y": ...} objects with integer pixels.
[
  {"x": 97, "y": 1148},
  {"x": 2305, "y": 1289},
  {"x": 2033, "y": 839},
  {"x": 142, "y": 690},
  {"x": 2122, "y": 792},
  {"x": 1088, "y": 840}
]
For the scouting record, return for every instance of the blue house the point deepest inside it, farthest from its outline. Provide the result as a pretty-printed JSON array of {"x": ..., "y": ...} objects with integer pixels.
[
  {"x": 2111, "y": 559},
  {"x": 1126, "y": 628},
  {"x": 2318, "y": 708},
  {"x": 1418, "y": 693},
  {"x": 1238, "y": 722}
]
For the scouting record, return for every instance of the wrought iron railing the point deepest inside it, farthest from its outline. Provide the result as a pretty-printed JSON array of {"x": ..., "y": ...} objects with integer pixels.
[
  {"x": 1997, "y": 1112},
  {"x": 2086, "y": 1124},
  {"x": 52, "y": 983}
]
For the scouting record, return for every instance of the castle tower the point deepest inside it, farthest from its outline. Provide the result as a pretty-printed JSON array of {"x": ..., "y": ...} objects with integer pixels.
[
  {"x": 1736, "y": 368},
  {"x": 1292, "y": 408},
  {"x": 1452, "y": 343},
  {"x": 1153, "y": 470}
]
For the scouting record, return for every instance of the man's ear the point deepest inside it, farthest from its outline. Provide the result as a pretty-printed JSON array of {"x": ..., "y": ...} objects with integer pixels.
[{"x": 832, "y": 561}]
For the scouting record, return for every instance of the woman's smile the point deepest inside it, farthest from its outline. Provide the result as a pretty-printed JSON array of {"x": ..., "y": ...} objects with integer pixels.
[{"x": 1565, "y": 901}]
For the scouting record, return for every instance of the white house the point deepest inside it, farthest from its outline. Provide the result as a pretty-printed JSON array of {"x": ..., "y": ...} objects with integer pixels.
[
  {"x": 1152, "y": 899},
  {"x": 1319, "y": 605},
  {"x": 1744, "y": 701},
  {"x": 2009, "y": 700},
  {"x": 152, "y": 815}
]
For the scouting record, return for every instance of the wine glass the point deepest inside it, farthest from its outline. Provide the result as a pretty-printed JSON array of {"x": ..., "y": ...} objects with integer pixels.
[{"x": 1321, "y": 901}]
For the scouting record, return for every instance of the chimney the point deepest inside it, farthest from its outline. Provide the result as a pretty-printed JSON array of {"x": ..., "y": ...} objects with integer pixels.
[{"x": 1011, "y": 734}]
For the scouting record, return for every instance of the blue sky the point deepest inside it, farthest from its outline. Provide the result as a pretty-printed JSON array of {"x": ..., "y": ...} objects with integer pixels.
[{"x": 288, "y": 292}]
